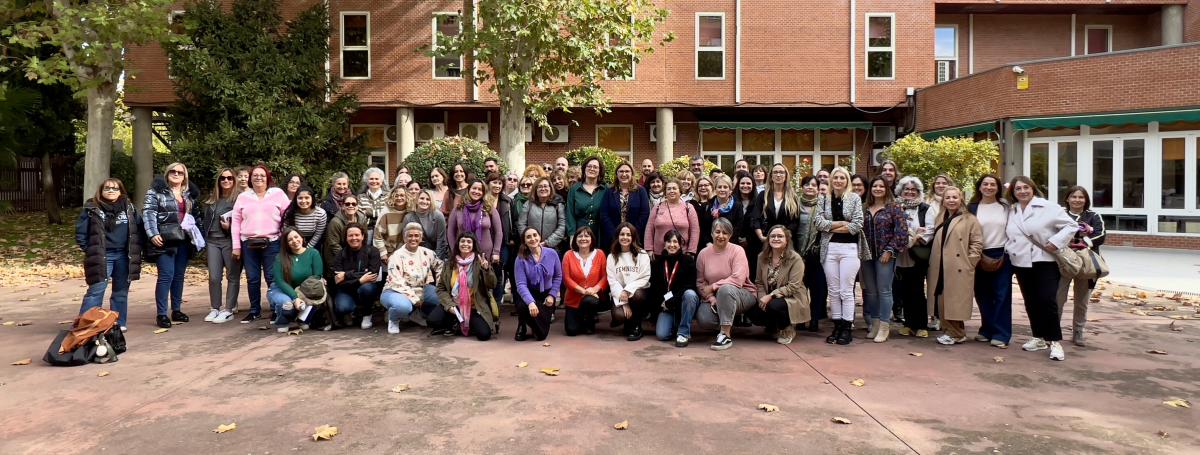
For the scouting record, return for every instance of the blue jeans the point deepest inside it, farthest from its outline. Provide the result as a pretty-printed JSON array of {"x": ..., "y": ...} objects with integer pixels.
[
  {"x": 400, "y": 307},
  {"x": 993, "y": 293},
  {"x": 877, "y": 289},
  {"x": 172, "y": 264},
  {"x": 257, "y": 263},
  {"x": 359, "y": 301},
  {"x": 669, "y": 324},
  {"x": 117, "y": 270},
  {"x": 276, "y": 298}
]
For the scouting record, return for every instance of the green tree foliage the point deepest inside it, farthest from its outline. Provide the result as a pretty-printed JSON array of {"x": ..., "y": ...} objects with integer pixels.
[
  {"x": 610, "y": 159},
  {"x": 252, "y": 89},
  {"x": 445, "y": 153},
  {"x": 683, "y": 163},
  {"x": 963, "y": 159}
]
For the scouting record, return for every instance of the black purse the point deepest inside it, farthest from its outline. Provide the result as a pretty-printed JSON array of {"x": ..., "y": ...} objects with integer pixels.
[
  {"x": 172, "y": 233},
  {"x": 256, "y": 243}
]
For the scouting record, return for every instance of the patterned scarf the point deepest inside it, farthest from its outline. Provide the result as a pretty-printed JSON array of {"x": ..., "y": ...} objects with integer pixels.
[
  {"x": 473, "y": 218},
  {"x": 464, "y": 291},
  {"x": 910, "y": 204},
  {"x": 721, "y": 210}
]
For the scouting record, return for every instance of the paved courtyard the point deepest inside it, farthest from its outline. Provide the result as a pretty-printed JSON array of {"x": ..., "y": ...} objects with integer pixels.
[{"x": 171, "y": 390}]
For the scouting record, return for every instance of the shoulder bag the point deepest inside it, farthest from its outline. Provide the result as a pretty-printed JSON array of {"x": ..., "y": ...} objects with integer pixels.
[{"x": 1069, "y": 262}]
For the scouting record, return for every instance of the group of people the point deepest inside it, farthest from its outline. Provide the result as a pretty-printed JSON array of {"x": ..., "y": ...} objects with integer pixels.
[{"x": 715, "y": 250}]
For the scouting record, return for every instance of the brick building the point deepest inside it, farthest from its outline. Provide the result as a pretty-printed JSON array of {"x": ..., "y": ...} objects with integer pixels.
[{"x": 828, "y": 82}]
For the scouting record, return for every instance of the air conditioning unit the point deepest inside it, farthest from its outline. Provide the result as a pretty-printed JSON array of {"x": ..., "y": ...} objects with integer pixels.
[
  {"x": 429, "y": 131},
  {"x": 943, "y": 71},
  {"x": 654, "y": 133},
  {"x": 877, "y": 156},
  {"x": 528, "y": 132},
  {"x": 476, "y": 131},
  {"x": 389, "y": 134},
  {"x": 884, "y": 134},
  {"x": 556, "y": 134}
]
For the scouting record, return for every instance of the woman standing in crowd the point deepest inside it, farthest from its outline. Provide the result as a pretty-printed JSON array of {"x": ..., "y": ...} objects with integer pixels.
[
  {"x": 508, "y": 220},
  {"x": 723, "y": 279},
  {"x": 433, "y": 224},
  {"x": 840, "y": 220},
  {"x": 215, "y": 224},
  {"x": 257, "y": 217},
  {"x": 335, "y": 233},
  {"x": 626, "y": 201},
  {"x": 886, "y": 228},
  {"x": 242, "y": 178},
  {"x": 165, "y": 211},
  {"x": 859, "y": 186},
  {"x": 890, "y": 172},
  {"x": 702, "y": 204},
  {"x": 439, "y": 190},
  {"x": 305, "y": 217},
  {"x": 673, "y": 281},
  {"x": 654, "y": 188},
  {"x": 413, "y": 188},
  {"x": 479, "y": 217},
  {"x": 782, "y": 296},
  {"x": 403, "y": 180},
  {"x": 389, "y": 225},
  {"x": 108, "y": 233},
  {"x": 460, "y": 179},
  {"x": 1037, "y": 228},
  {"x": 539, "y": 277},
  {"x": 1090, "y": 235},
  {"x": 993, "y": 279},
  {"x": 629, "y": 281},
  {"x": 775, "y": 206},
  {"x": 673, "y": 214},
  {"x": 339, "y": 189},
  {"x": 356, "y": 277},
  {"x": 292, "y": 185},
  {"x": 687, "y": 185},
  {"x": 373, "y": 201},
  {"x": 585, "y": 273},
  {"x": 584, "y": 198},
  {"x": 957, "y": 246},
  {"x": 940, "y": 183},
  {"x": 743, "y": 224},
  {"x": 462, "y": 289},
  {"x": 295, "y": 264},
  {"x": 558, "y": 179},
  {"x": 410, "y": 290},
  {"x": 807, "y": 246},
  {"x": 913, "y": 265},
  {"x": 545, "y": 213},
  {"x": 760, "y": 175}
]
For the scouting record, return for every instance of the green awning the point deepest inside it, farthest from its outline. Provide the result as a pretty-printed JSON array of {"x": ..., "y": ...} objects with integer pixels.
[
  {"x": 784, "y": 125},
  {"x": 958, "y": 131},
  {"x": 1073, "y": 121}
]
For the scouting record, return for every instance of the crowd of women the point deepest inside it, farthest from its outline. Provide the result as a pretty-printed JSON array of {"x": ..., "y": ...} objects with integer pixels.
[{"x": 443, "y": 250}]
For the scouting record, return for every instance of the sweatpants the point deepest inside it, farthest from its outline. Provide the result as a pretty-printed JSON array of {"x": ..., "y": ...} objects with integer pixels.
[{"x": 222, "y": 264}]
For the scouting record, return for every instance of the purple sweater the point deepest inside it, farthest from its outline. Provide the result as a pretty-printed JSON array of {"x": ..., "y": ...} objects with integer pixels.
[
  {"x": 489, "y": 242},
  {"x": 545, "y": 276}
]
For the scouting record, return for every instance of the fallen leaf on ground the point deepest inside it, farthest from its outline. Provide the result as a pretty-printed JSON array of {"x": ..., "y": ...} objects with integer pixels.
[
  {"x": 23, "y": 362},
  {"x": 522, "y": 364},
  {"x": 858, "y": 382},
  {"x": 622, "y": 425},
  {"x": 24, "y": 323},
  {"x": 176, "y": 323},
  {"x": 1094, "y": 300},
  {"x": 1139, "y": 313},
  {"x": 1161, "y": 308},
  {"x": 10, "y": 323},
  {"x": 324, "y": 432},
  {"x": 915, "y": 354},
  {"x": 1093, "y": 320},
  {"x": 841, "y": 420},
  {"x": 227, "y": 427},
  {"x": 295, "y": 331},
  {"x": 400, "y": 388},
  {"x": 550, "y": 371},
  {"x": 998, "y": 359},
  {"x": 1157, "y": 351},
  {"x": 1097, "y": 294},
  {"x": 1178, "y": 403},
  {"x": 1163, "y": 434},
  {"x": 1142, "y": 295},
  {"x": 546, "y": 344},
  {"x": 156, "y": 332},
  {"x": 768, "y": 407},
  {"x": 102, "y": 374}
]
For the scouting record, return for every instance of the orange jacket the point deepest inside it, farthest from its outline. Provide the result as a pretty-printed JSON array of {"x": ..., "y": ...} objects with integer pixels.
[{"x": 575, "y": 279}]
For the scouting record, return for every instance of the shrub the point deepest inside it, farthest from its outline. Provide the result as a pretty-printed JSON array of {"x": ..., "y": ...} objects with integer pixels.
[
  {"x": 445, "y": 153},
  {"x": 963, "y": 159},
  {"x": 610, "y": 159},
  {"x": 683, "y": 163}
]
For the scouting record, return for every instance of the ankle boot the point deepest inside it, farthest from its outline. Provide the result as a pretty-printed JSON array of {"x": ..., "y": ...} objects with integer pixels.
[
  {"x": 837, "y": 330},
  {"x": 846, "y": 335}
]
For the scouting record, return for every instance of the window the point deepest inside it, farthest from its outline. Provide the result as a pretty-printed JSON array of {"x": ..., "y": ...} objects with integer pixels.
[
  {"x": 1039, "y": 165},
  {"x": 450, "y": 66},
  {"x": 945, "y": 52},
  {"x": 1134, "y": 167},
  {"x": 1174, "y": 186},
  {"x": 826, "y": 148},
  {"x": 710, "y": 45},
  {"x": 798, "y": 140},
  {"x": 718, "y": 140},
  {"x": 758, "y": 141},
  {"x": 374, "y": 143},
  {"x": 1102, "y": 173},
  {"x": 1067, "y": 169},
  {"x": 839, "y": 140},
  {"x": 881, "y": 46},
  {"x": 1097, "y": 39},
  {"x": 618, "y": 138},
  {"x": 356, "y": 45}
]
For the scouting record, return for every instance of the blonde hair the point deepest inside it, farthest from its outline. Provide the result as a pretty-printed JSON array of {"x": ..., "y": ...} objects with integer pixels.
[
  {"x": 843, "y": 171},
  {"x": 167, "y": 170},
  {"x": 789, "y": 197},
  {"x": 962, "y": 204}
]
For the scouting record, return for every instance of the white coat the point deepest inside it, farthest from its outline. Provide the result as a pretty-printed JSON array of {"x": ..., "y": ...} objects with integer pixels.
[{"x": 1044, "y": 222}]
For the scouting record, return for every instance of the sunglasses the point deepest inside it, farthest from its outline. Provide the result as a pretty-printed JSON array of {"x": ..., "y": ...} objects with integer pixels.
[
  {"x": 350, "y": 204},
  {"x": 174, "y": 172},
  {"x": 526, "y": 185},
  {"x": 226, "y": 178},
  {"x": 111, "y": 188}
]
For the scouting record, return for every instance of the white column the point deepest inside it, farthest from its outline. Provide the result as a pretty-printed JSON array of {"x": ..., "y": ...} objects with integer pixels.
[
  {"x": 143, "y": 152},
  {"x": 405, "y": 132},
  {"x": 665, "y": 123},
  {"x": 1172, "y": 24}
]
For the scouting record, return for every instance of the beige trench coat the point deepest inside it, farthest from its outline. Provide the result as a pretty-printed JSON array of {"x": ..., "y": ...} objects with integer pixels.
[
  {"x": 963, "y": 247},
  {"x": 789, "y": 284}
]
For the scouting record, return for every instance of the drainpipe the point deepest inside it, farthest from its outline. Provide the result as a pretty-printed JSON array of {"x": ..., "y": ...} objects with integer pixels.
[
  {"x": 737, "y": 52},
  {"x": 1073, "y": 35},
  {"x": 853, "y": 70}
]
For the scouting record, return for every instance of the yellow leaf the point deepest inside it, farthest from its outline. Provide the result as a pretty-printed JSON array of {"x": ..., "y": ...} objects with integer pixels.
[
  {"x": 522, "y": 364},
  {"x": 23, "y": 362},
  {"x": 841, "y": 420},
  {"x": 998, "y": 359},
  {"x": 768, "y": 407},
  {"x": 1142, "y": 295},
  {"x": 324, "y": 432},
  {"x": 10, "y": 323},
  {"x": 227, "y": 427},
  {"x": 550, "y": 371},
  {"x": 156, "y": 332},
  {"x": 1178, "y": 403},
  {"x": 295, "y": 332},
  {"x": 622, "y": 425},
  {"x": 1157, "y": 351},
  {"x": 546, "y": 344},
  {"x": 858, "y": 382},
  {"x": 400, "y": 388},
  {"x": 102, "y": 374},
  {"x": 915, "y": 354}
]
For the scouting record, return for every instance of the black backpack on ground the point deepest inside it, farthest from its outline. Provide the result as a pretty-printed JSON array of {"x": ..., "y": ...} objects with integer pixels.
[{"x": 102, "y": 348}]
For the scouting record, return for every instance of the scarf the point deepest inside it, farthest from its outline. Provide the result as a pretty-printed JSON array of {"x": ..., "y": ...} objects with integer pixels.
[
  {"x": 722, "y": 210},
  {"x": 464, "y": 291},
  {"x": 910, "y": 204},
  {"x": 655, "y": 199},
  {"x": 539, "y": 278},
  {"x": 338, "y": 198},
  {"x": 473, "y": 218},
  {"x": 112, "y": 210}
]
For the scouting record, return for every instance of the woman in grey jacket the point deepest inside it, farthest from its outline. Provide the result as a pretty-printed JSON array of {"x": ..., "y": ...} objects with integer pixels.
[
  {"x": 433, "y": 224},
  {"x": 839, "y": 217},
  {"x": 544, "y": 212}
]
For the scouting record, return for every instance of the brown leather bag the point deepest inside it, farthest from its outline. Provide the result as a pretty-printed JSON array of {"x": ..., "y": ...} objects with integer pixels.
[
  {"x": 89, "y": 324},
  {"x": 988, "y": 264}
]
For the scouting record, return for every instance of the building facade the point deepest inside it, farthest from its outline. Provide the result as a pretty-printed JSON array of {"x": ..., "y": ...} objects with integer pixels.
[{"x": 822, "y": 82}]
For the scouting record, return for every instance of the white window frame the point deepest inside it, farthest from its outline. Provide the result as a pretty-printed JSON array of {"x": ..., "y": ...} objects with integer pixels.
[
  {"x": 869, "y": 49},
  {"x": 777, "y": 155},
  {"x": 433, "y": 45},
  {"x": 936, "y": 58},
  {"x": 627, "y": 155},
  {"x": 1088, "y": 28},
  {"x": 344, "y": 47},
  {"x": 699, "y": 48},
  {"x": 385, "y": 152}
]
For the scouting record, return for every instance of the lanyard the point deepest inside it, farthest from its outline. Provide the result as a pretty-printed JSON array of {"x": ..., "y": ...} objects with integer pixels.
[{"x": 670, "y": 276}]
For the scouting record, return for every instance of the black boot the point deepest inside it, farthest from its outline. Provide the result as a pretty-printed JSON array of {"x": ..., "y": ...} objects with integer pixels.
[
  {"x": 814, "y": 326},
  {"x": 522, "y": 333},
  {"x": 178, "y": 316},
  {"x": 837, "y": 331},
  {"x": 846, "y": 335},
  {"x": 635, "y": 334}
]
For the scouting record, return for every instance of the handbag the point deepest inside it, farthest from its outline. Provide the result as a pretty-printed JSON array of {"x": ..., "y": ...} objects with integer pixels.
[
  {"x": 171, "y": 233},
  {"x": 1069, "y": 263},
  {"x": 989, "y": 264},
  {"x": 1093, "y": 265},
  {"x": 256, "y": 243}
]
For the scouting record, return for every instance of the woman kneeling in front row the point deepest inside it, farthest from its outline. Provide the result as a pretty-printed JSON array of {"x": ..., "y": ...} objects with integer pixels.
[
  {"x": 782, "y": 295},
  {"x": 294, "y": 264},
  {"x": 463, "y": 292},
  {"x": 539, "y": 276},
  {"x": 672, "y": 279}
]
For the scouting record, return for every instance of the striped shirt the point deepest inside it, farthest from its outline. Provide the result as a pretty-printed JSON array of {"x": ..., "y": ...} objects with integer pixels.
[{"x": 311, "y": 226}]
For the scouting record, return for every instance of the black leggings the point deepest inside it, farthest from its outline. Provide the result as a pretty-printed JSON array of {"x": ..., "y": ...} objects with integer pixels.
[
  {"x": 540, "y": 325},
  {"x": 818, "y": 290},
  {"x": 583, "y": 319},
  {"x": 911, "y": 281},
  {"x": 639, "y": 306},
  {"x": 1039, "y": 287},
  {"x": 775, "y": 317},
  {"x": 439, "y": 318}
]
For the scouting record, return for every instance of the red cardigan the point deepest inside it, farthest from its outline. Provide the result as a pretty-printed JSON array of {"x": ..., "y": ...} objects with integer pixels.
[{"x": 573, "y": 275}]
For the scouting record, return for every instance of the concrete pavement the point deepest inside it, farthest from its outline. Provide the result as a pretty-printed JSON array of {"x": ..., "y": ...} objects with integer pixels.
[{"x": 1155, "y": 269}]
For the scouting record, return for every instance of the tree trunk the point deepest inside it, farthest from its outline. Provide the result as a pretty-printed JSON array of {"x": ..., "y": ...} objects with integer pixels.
[
  {"x": 101, "y": 105},
  {"x": 512, "y": 133},
  {"x": 49, "y": 190}
]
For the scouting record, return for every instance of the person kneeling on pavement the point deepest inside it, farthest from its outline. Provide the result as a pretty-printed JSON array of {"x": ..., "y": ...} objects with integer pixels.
[
  {"x": 356, "y": 273},
  {"x": 295, "y": 265},
  {"x": 411, "y": 276},
  {"x": 463, "y": 290}
]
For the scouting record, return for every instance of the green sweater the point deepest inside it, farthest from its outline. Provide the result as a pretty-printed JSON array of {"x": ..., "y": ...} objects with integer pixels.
[
  {"x": 583, "y": 208},
  {"x": 305, "y": 265}
]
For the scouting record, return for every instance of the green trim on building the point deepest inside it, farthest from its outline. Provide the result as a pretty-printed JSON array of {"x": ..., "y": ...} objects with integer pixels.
[
  {"x": 1073, "y": 121},
  {"x": 966, "y": 130}
]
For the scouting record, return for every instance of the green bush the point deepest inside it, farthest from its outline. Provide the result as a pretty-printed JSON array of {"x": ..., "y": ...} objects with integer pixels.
[
  {"x": 610, "y": 159},
  {"x": 963, "y": 159},
  {"x": 672, "y": 168},
  {"x": 445, "y": 153}
]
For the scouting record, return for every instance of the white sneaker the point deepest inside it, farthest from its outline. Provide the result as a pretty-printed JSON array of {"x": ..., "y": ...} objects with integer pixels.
[
  {"x": 946, "y": 339},
  {"x": 936, "y": 325},
  {"x": 212, "y": 314},
  {"x": 1035, "y": 344},
  {"x": 223, "y": 317},
  {"x": 304, "y": 326},
  {"x": 393, "y": 327},
  {"x": 1056, "y": 351},
  {"x": 366, "y": 323},
  {"x": 124, "y": 329}
]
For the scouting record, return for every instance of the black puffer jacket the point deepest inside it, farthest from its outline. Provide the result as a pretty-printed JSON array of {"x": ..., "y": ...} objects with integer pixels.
[
  {"x": 91, "y": 236},
  {"x": 160, "y": 209}
]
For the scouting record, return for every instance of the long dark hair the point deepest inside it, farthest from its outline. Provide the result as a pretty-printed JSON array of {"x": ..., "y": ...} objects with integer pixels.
[
  {"x": 523, "y": 251},
  {"x": 978, "y": 196},
  {"x": 888, "y": 198},
  {"x": 1087, "y": 198},
  {"x": 737, "y": 189},
  {"x": 289, "y": 216},
  {"x": 652, "y": 177},
  {"x": 286, "y": 254},
  {"x": 583, "y": 170},
  {"x": 635, "y": 247}
]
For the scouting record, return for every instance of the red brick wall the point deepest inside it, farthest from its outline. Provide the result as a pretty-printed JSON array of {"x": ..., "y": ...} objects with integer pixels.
[
  {"x": 1191, "y": 22},
  {"x": 1126, "y": 81},
  {"x": 1153, "y": 241}
]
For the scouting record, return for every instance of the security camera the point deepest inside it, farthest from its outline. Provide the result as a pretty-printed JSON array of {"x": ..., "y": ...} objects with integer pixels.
[{"x": 1018, "y": 70}]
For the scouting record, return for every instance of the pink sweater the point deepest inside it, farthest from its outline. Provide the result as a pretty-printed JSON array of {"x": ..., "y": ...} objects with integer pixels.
[
  {"x": 727, "y": 267},
  {"x": 664, "y": 217},
  {"x": 254, "y": 217}
]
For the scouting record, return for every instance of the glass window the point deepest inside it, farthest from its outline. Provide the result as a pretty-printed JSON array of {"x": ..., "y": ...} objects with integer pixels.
[
  {"x": 758, "y": 140},
  {"x": 450, "y": 66},
  {"x": 1128, "y": 223},
  {"x": 945, "y": 52},
  {"x": 829, "y": 161},
  {"x": 797, "y": 140},
  {"x": 1067, "y": 167},
  {"x": 1179, "y": 224},
  {"x": 718, "y": 140},
  {"x": 1099, "y": 40},
  {"x": 839, "y": 140},
  {"x": 1102, "y": 173},
  {"x": 1039, "y": 166},
  {"x": 710, "y": 47},
  {"x": 881, "y": 48},
  {"x": 1134, "y": 166},
  {"x": 1173, "y": 185},
  {"x": 618, "y": 138},
  {"x": 356, "y": 45},
  {"x": 354, "y": 29}
]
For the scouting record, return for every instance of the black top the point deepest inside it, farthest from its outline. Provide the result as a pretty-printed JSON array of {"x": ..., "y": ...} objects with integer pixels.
[{"x": 836, "y": 208}]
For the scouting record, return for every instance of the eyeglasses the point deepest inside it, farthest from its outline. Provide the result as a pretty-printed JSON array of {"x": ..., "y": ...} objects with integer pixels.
[
  {"x": 175, "y": 172},
  {"x": 511, "y": 179},
  {"x": 350, "y": 204},
  {"x": 258, "y": 177},
  {"x": 526, "y": 185},
  {"x": 111, "y": 188},
  {"x": 225, "y": 178}
]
